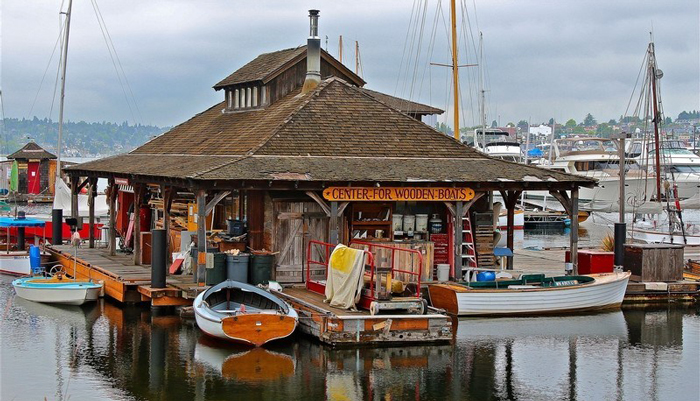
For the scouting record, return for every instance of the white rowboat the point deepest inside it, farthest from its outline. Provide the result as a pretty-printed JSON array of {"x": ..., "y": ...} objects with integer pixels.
[{"x": 56, "y": 291}]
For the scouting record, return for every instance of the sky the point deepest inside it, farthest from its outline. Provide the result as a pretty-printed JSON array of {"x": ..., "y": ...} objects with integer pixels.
[{"x": 542, "y": 58}]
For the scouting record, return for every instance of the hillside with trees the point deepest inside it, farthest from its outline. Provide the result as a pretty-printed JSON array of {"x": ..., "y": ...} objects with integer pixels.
[{"x": 80, "y": 139}]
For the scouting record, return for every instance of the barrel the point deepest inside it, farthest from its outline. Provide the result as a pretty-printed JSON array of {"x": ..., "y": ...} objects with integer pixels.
[
  {"x": 35, "y": 258},
  {"x": 260, "y": 271},
  {"x": 443, "y": 272},
  {"x": 486, "y": 276},
  {"x": 216, "y": 268},
  {"x": 237, "y": 267}
]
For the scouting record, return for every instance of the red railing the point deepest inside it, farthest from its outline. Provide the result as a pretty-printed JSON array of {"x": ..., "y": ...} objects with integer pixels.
[{"x": 324, "y": 250}]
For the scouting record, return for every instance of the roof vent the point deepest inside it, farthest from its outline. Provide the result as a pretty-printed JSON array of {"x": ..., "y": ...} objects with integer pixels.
[{"x": 313, "y": 54}]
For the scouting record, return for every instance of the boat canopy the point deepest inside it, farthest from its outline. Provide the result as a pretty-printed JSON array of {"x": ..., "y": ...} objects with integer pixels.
[
  {"x": 10, "y": 222},
  {"x": 246, "y": 287}
]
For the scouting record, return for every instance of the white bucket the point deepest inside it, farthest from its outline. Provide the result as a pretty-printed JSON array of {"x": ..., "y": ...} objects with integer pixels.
[
  {"x": 409, "y": 223},
  {"x": 422, "y": 223},
  {"x": 443, "y": 272},
  {"x": 397, "y": 222}
]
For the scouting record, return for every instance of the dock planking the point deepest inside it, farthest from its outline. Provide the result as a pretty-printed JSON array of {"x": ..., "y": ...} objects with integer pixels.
[{"x": 124, "y": 281}]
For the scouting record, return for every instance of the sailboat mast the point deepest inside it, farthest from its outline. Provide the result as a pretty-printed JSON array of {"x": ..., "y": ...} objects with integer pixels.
[
  {"x": 483, "y": 91},
  {"x": 455, "y": 68},
  {"x": 64, "y": 61},
  {"x": 652, "y": 72}
]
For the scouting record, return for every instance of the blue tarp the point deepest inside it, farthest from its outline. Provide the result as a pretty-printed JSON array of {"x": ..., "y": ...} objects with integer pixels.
[
  {"x": 10, "y": 222},
  {"x": 534, "y": 153}
]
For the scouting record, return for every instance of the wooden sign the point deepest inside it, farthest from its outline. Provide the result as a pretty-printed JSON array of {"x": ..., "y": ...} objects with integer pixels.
[
  {"x": 121, "y": 181},
  {"x": 393, "y": 194}
]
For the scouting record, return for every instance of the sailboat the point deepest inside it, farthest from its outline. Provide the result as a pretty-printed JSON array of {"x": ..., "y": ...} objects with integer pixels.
[
  {"x": 673, "y": 230},
  {"x": 59, "y": 288}
]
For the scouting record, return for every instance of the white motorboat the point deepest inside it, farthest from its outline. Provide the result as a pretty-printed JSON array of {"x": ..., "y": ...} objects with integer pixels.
[
  {"x": 598, "y": 158},
  {"x": 678, "y": 164},
  {"x": 17, "y": 262},
  {"x": 244, "y": 314},
  {"x": 57, "y": 290},
  {"x": 532, "y": 294}
]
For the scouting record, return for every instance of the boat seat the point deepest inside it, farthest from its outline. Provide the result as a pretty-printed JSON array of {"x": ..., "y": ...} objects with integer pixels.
[{"x": 532, "y": 278}]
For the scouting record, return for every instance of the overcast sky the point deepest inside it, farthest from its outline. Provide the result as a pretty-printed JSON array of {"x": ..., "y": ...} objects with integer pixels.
[{"x": 543, "y": 59}]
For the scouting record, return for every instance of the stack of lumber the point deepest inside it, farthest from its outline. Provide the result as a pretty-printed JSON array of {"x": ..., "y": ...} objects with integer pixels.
[{"x": 178, "y": 214}]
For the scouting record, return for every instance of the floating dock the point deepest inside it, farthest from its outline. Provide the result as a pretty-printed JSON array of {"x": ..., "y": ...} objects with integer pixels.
[
  {"x": 338, "y": 327},
  {"x": 123, "y": 280}
]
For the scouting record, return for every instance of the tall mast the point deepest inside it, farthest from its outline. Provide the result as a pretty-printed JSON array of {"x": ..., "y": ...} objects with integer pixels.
[
  {"x": 455, "y": 68},
  {"x": 357, "y": 58},
  {"x": 64, "y": 61},
  {"x": 652, "y": 73},
  {"x": 482, "y": 91}
]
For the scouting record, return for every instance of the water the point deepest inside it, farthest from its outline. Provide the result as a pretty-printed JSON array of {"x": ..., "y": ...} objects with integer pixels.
[{"x": 103, "y": 351}]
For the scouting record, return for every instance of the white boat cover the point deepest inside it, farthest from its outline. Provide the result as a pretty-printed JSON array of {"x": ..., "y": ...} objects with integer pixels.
[
  {"x": 61, "y": 200},
  {"x": 345, "y": 277}
]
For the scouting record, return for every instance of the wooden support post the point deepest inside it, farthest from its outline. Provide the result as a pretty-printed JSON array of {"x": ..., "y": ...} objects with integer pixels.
[
  {"x": 458, "y": 226},
  {"x": 112, "y": 236},
  {"x": 200, "y": 270},
  {"x": 138, "y": 199},
  {"x": 333, "y": 223},
  {"x": 167, "y": 203},
  {"x": 574, "y": 229},
  {"x": 91, "y": 213},
  {"x": 74, "y": 196}
]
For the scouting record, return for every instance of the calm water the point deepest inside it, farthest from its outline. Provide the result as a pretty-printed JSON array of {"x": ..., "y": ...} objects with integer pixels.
[{"x": 105, "y": 352}]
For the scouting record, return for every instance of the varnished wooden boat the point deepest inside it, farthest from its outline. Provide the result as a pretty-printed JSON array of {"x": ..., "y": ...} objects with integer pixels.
[
  {"x": 242, "y": 313},
  {"x": 531, "y": 295}
]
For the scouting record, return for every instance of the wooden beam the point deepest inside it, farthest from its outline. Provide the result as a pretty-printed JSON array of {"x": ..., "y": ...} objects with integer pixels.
[
  {"x": 112, "y": 235},
  {"x": 74, "y": 197},
  {"x": 468, "y": 205},
  {"x": 341, "y": 208},
  {"x": 91, "y": 212},
  {"x": 83, "y": 184},
  {"x": 511, "y": 199},
  {"x": 333, "y": 223},
  {"x": 321, "y": 202},
  {"x": 574, "y": 229},
  {"x": 215, "y": 201},
  {"x": 200, "y": 270},
  {"x": 139, "y": 190},
  {"x": 167, "y": 193},
  {"x": 563, "y": 198}
]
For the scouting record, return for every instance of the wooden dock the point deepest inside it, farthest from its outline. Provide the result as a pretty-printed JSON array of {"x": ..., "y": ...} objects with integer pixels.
[
  {"x": 338, "y": 327},
  {"x": 124, "y": 281}
]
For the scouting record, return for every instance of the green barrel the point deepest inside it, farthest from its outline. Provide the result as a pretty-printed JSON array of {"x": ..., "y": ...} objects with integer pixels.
[
  {"x": 261, "y": 269},
  {"x": 216, "y": 270}
]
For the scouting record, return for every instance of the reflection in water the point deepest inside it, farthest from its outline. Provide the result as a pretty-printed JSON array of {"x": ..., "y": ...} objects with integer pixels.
[{"x": 107, "y": 352}]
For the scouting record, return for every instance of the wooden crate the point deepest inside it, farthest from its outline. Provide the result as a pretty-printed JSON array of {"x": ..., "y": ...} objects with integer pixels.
[{"x": 654, "y": 262}]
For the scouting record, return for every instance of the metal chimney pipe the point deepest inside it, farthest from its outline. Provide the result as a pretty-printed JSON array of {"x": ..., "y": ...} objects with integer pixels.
[{"x": 313, "y": 54}]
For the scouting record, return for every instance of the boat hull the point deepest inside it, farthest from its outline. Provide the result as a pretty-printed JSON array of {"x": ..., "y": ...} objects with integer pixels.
[
  {"x": 254, "y": 329},
  {"x": 67, "y": 293},
  {"x": 606, "y": 292},
  {"x": 15, "y": 263}
]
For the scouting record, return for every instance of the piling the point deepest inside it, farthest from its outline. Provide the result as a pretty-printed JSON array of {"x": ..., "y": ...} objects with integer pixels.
[
  {"x": 57, "y": 226},
  {"x": 158, "y": 258}
]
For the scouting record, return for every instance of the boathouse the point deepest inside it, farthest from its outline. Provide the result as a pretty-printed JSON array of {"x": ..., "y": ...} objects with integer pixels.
[
  {"x": 300, "y": 151},
  {"x": 37, "y": 169}
]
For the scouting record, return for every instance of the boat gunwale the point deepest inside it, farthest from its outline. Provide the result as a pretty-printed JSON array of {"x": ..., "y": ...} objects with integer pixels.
[{"x": 463, "y": 288}]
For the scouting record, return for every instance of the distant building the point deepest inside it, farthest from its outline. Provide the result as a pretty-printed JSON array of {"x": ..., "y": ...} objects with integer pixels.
[
  {"x": 541, "y": 130},
  {"x": 37, "y": 168}
]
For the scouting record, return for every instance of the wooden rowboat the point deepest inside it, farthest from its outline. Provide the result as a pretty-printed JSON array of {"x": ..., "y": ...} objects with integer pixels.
[
  {"x": 244, "y": 314},
  {"x": 533, "y": 294}
]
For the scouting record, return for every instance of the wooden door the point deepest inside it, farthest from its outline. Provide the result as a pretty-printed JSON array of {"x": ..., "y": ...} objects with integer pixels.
[
  {"x": 33, "y": 178},
  {"x": 295, "y": 223}
]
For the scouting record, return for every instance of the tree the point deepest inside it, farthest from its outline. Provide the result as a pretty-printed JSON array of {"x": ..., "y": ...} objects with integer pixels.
[
  {"x": 612, "y": 122},
  {"x": 523, "y": 125},
  {"x": 551, "y": 121},
  {"x": 494, "y": 124},
  {"x": 589, "y": 121},
  {"x": 571, "y": 123},
  {"x": 668, "y": 120},
  {"x": 604, "y": 130}
]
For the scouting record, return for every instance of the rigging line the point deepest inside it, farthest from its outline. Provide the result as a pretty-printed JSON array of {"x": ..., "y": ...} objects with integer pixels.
[
  {"x": 634, "y": 89},
  {"x": 48, "y": 65},
  {"x": 58, "y": 69},
  {"x": 128, "y": 85},
  {"x": 416, "y": 38},
  {"x": 431, "y": 50},
  {"x": 468, "y": 33},
  {"x": 418, "y": 51},
  {"x": 405, "y": 43},
  {"x": 111, "y": 56}
]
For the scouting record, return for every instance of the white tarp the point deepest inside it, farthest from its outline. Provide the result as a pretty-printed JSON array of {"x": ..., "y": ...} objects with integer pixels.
[
  {"x": 345, "y": 277},
  {"x": 62, "y": 199}
]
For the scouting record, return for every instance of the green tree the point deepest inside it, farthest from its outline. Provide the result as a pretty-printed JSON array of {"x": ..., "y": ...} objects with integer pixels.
[
  {"x": 494, "y": 124},
  {"x": 612, "y": 122},
  {"x": 551, "y": 121},
  {"x": 571, "y": 123},
  {"x": 668, "y": 120},
  {"x": 589, "y": 121},
  {"x": 604, "y": 130}
]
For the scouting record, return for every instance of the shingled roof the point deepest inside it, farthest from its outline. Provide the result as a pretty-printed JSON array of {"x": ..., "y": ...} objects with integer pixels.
[
  {"x": 268, "y": 65},
  {"x": 404, "y": 105},
  {"x": 337, "y": 132},
  {"x": 31, "y": 151}
]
